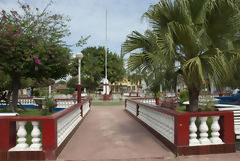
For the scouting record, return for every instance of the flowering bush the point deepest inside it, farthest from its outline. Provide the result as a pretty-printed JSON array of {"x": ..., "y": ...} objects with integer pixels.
[{"x": 31, "y": 45}]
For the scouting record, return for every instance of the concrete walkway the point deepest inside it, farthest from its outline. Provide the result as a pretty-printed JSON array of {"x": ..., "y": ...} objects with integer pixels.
[{"x": 110, "y": 134}]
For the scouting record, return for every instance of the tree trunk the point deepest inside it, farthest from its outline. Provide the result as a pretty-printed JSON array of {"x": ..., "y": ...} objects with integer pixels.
[
  {"x": 15, "y": 86},
  {"x": 32, "y": 88},
  {"x": 8, "y": 98},
  {"x": 193, "y": 99}
]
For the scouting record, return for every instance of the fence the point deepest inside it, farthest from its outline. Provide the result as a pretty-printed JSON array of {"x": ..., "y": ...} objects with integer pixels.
[
  {"x": 49, "y": 133},
  {"x": 186, "y": 133}
]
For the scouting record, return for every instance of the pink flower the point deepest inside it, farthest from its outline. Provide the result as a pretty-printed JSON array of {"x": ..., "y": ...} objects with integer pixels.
[
  {"x": 8, "y": 52},
  {"x": 19, "y": 31},
  {"x": 37, "y": 61},
  {"x": 53, "y": 56},
  {"x": 4, "y": 17},
  {"x": 24, "y": 39},
  {"x": 15, "y": 12},
  {"x": 22, "y": 58},
  {"x": 14, "y": 67},
  {"x": 49, "y": 52},
  {"x": 17, "y": 19},
  {"x": 6, "y": 33},
  {"x": 13, "y": 48},
  {"x": 15, "y": 36},
  {"x": 36, "y": 68},
  {"x": 28, "y": 43},
  {"x": 8, "y": 43},
  {"x": 57, "y": 53}
]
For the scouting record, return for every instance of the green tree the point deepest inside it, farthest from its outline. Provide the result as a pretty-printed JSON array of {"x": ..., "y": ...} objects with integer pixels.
[
  {"x": 31, "y": 45},
  {"x": 147, "y": 63},
  {"x": 92, "y": 70},
  {"x": 201, "y": 35}
]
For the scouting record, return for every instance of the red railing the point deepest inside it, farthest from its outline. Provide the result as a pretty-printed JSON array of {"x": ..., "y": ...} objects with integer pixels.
[
  {"x": 50, "y": 147},
  {"x": 175, "y": 128}
]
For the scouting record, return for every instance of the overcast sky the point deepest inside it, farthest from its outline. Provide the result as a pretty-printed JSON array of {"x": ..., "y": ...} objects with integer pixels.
[{"x": 88, "y": 18}]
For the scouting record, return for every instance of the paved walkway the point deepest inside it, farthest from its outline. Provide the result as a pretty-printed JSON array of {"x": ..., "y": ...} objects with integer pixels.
[{"x": 110, "y": 134}]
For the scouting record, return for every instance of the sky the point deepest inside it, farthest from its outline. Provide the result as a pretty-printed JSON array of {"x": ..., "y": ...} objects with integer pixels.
[{"x": 88, "y": 18}]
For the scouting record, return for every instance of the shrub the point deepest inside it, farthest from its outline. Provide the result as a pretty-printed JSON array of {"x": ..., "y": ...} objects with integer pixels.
[
  {"x": 36, "y": 93},
  {"x": 183, "y": 96},
  {"x": 50, "y": 103}
]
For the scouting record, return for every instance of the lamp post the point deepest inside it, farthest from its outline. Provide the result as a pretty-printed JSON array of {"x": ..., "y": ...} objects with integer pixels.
[{"x": 79, "y": 56}]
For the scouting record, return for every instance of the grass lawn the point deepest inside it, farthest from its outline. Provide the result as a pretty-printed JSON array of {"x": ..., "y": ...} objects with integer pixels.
[
  {"x": 28, "y": 112},
  {"x": 108, "y": 103}
]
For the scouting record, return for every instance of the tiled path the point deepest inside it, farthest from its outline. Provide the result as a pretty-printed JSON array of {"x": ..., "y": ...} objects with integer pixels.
[{"x": 110, "y": 134}]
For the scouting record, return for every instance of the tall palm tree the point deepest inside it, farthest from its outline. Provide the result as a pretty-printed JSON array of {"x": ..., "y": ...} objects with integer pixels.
[
  {"x": 202, "y": 35},
  {"x": 146, "y": 59}
]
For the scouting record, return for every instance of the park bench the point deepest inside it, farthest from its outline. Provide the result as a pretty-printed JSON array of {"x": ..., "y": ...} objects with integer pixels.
[
  {"x": 236, "y": 111},
  {"x": 9, "y": 114}
]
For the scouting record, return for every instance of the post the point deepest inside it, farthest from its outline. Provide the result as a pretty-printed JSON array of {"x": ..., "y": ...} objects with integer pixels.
[
  {"x": 49, "y": 91},
  {"x": 79, "y": 56}
]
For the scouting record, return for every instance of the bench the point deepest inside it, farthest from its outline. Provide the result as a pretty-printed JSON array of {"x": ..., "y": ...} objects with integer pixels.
[
  {"x": 9, "y": 114},
  {"x": 236, "y": 111}
]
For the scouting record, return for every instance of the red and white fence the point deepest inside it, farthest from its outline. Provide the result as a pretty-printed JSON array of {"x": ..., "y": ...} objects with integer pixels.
[
  {"x": 187, "y": 133},
  {"x": 46, "y": 143}
]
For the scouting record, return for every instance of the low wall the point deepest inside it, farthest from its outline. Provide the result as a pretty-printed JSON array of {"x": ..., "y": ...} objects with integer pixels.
[
  {"x": 186, "y": 133},
  {"x": 47, "y": 143}
]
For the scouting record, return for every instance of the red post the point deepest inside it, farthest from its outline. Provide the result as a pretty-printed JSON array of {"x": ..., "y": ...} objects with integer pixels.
[
  {"x": 181, "y": 130},
  {"x": 7, "y": 135},
  {"x": 157, "y": 101},
  {"x": 79, "y": 86},
  {"x": 227, "y": 128},
  {"x": 81, "y": 110},
  {"x": 49, "y": 138}
]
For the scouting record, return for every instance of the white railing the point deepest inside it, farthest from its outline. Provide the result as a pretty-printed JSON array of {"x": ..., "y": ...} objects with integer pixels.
[
  {"x": 204, "y": 138},
  {"x": 160, "y": 122},
  {"x": 27, "y": 101},
  {"x": 21, "y": 144},
  {"x": 86, "y": 108},
  {"x": 151, "y": 101},
  {"x": 183, "y": 131},
  {"x": 67, "y": 123},
  {"x": 65, "y": 103},
  {"x": 131, "y": 107},
  {"x": 236, "y": 113}
]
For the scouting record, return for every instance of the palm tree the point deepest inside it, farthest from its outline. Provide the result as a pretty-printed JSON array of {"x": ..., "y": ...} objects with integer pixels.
[
  {"x": 145, "y": 59},
  {"x": 202, "y": 35}
]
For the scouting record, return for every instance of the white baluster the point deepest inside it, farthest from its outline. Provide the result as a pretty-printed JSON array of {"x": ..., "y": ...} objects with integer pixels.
[
  {"x": 215, "y": 128},
  {"x": 193, "y": 135},
  {"x": 36, "y": 145},
  {"x": 21, "y": 145},
  {"x": 203, "y": 131}
]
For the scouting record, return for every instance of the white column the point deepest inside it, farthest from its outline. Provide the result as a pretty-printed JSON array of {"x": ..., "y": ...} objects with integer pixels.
[
  {"x": 215, "y": 128},
  {"x": 21, "y": 133},
  {"x": 36, "y": 145},
  {"x": 203, "y": 131},
  {"x": 49, "y": 90},
  {"x": 79, "y": 71},
  {"x": 193, "y": 135}
]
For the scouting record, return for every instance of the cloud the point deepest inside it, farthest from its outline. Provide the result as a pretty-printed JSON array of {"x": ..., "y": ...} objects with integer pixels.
[{"x": 88, "y": 18}]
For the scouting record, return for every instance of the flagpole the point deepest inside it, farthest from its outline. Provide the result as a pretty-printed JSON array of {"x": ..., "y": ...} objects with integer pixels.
[{"x": 106, "y": 48}]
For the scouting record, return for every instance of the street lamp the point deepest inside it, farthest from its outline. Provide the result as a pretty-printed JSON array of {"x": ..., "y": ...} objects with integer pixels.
[{"x": 79, "y": 56}]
